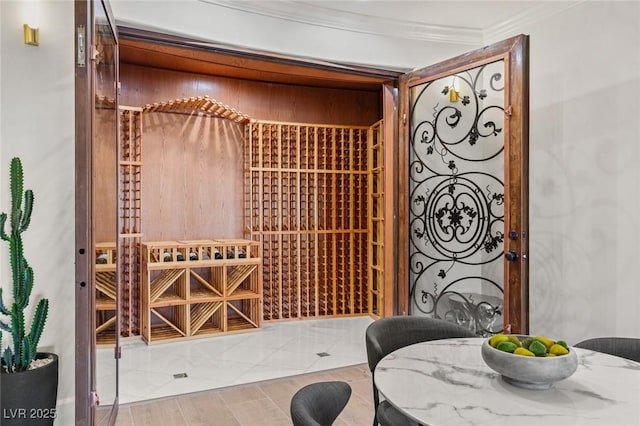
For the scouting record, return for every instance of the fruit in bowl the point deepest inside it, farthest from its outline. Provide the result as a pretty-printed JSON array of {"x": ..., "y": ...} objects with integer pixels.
[
  {"x": 531, "y": 362},
  {"x": 529, "y": 346}
]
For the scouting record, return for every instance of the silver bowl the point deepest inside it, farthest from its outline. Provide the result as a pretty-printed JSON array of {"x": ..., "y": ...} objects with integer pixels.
[{"x": 537, "y": 373}]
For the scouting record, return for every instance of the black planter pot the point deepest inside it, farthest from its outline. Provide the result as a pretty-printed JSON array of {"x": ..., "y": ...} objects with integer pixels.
[{"x": 29, "y": 397}]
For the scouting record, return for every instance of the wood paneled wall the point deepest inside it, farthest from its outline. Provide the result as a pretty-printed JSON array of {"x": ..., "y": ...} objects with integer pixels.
[
  {"x": 192, "y": 177},
  {"x": 264, "y": 101},
  {"x": 104, "y": 182},
  {"x": 192, "y": 173}
]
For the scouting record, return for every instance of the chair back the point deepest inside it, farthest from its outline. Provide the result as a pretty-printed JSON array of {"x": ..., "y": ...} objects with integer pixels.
[
  {"x": 625, "y": 347},
  {"x": 319, "y": 404},
  {"x": 385, "y": 335}
]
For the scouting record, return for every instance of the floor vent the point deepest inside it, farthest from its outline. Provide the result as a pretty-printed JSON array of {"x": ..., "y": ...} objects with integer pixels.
[
  {"x": 323, "y": 354},
  {"x": 180, "y": 376}
]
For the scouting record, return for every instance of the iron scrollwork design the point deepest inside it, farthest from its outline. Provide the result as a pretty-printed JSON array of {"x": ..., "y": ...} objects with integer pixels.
[{"x": 457, "y": 199}]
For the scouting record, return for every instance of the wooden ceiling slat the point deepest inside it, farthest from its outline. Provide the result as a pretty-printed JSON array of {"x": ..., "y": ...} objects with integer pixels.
[{"x": 210, "y": 62}]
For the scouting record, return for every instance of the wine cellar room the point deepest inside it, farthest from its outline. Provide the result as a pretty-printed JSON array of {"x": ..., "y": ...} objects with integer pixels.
[{"x": 251, "y": 190}]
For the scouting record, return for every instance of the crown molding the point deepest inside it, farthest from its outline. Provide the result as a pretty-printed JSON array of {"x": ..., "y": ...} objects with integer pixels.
[
  {"x": 312, "y": 14},
  {"x": 514, "y": 25}
]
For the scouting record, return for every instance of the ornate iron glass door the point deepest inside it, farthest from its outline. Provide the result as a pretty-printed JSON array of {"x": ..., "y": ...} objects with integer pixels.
[
  {"x": 466, "y": 204},
  {"x": 456, "y": 213}
]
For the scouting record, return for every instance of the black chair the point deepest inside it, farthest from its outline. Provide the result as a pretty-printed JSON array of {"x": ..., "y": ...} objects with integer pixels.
[
  {"x": 388, "y": 334},
  {"x": 625, "y": 347},
  {"x": 319, "y": 404}
]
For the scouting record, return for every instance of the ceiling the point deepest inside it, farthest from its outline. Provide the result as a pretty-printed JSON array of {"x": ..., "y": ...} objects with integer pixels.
[
  {"x": 464, "y": 22},
  {"x": 452, "y": 20},
  {"x": 470, "y": 14}
]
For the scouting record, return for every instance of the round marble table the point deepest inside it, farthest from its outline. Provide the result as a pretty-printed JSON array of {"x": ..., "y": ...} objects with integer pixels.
[{"x": 446, "y": 382}]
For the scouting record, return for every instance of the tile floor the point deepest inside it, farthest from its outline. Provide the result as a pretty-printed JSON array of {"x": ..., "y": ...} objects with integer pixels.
[
  {"x": 264, "y": 403},
  {"x": 276, "y": 350}
]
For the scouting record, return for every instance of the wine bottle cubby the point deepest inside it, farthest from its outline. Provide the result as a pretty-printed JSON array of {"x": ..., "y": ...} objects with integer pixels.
[
  {"x": 306, "y": 203},
  {"x": 130, "y": 217},
  {"x": 376, "y": 220},
  {"x": 121, "y": 164},
  {"x": 105, "y": 278},
  {"x": 200, "y": 287}
]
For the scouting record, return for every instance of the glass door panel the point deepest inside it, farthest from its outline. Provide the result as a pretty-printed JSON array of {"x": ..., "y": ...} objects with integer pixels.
[
  {"x": 456, "y": 187},
  {"x": 463, "y": 189},
  {"x": 105, "y": 143}
]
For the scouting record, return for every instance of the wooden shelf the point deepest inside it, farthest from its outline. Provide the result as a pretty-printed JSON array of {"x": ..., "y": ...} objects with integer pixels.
[
  {"x": 105, "y": 256},
  {"x": 238, "y": 276},
  {"x": 167, "y": 322},
  {"x": 106, "y": 284},
  {"x": 243, "y": 294},
  {"x": 204, "y": 312},
  {"x": 161, "y": 284},
  {"x": 243, "y": 316},
  {"x": 164, "y": 332},
  {"x": 105, "y": 298},
  {"x": 106, "y": 330},
  {"x": 105, "y": 304},
  {"x": 107, "y": 325},
  {"x": 201, "y": 288},
  {"x": 209, "y": 328},
  {"x": 197, "y": 293}
]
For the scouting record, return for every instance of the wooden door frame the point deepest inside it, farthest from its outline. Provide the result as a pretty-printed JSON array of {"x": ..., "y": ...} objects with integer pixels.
[
  {"x": 515, "y": 52},
  {"x": 390, "y": 208},
  {"x": 84, "y": 216},
  {"x": 85, "y": 338}
]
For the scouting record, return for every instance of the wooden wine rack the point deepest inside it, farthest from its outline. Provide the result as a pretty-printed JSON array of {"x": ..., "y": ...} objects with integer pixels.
[
  {"x": 104, "y": 102},
  {"x": 129, "y": 209},
  {"x": 376, "y": 220},
  {"x": 105, "y": 278},
  {"x": 305, "y": 195},
  {"x": 202, "y": 104},
  {"x": 313, "y": 219},
  {"x": 199, "y": 288}
]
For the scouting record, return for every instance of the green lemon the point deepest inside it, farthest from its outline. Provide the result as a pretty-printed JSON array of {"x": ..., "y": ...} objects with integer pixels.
[
  {"x": 497, "y": 339},
  {"x": 563, "y": 344},
  {"x": 514, "y": 339},
  {"x": 538, "y": 348},
  {"x": 558, "y": 350},
  {"x": 523, "y": 351},
  {"x": 506, "y": 346},
  {"x": 526, "y": 342}
]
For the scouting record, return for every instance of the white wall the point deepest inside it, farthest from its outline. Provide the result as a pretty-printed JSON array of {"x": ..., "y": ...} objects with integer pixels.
[
  {"x": 585, "y": 179},
  {"x": 2, "y": 190},
  {"x": 37, "y": 124}
]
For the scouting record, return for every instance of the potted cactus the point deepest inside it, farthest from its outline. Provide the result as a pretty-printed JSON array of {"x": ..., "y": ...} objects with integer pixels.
[{"x": 28, "y": 379}]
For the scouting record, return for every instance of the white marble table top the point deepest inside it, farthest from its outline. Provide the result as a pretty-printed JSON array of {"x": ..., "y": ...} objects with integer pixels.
[{"x": 446, "y": 382}]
